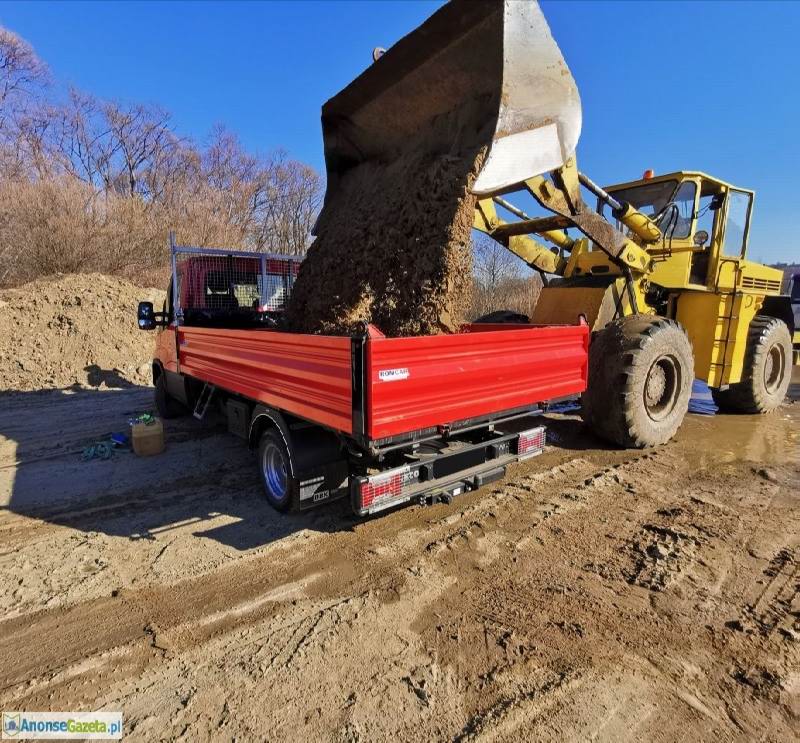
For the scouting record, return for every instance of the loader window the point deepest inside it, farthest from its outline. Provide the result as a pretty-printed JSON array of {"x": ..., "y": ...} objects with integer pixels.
[
  {"x": 737, "y": 223},
  {"x": 671, "y": 202},
  {"x": 707, "y": 213},
  {"x": 677, "y": 219}
]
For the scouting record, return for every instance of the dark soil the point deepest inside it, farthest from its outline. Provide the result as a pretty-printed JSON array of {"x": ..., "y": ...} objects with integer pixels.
[{"x": 393, "y": 249}]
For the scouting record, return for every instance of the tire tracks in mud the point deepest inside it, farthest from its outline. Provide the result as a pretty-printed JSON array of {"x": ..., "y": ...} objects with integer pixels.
[
  {"x": 74, "y": 633},
  {"x": 480, "y": 592},
  {"x": 778, "y": 605},
  {"x": 500, "y": 601}
]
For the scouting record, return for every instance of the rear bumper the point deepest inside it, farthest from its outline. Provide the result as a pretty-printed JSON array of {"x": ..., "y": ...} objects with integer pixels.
[{"x": 444, "y": 476}]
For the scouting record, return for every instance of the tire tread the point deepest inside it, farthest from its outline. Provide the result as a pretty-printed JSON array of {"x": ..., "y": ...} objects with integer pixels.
[
  {"x": 748, "y": 396},
  {"x": 611, "y": 404}
]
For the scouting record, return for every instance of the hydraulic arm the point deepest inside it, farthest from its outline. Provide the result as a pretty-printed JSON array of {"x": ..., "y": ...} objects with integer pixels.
[{"x": 560, "y": 194}]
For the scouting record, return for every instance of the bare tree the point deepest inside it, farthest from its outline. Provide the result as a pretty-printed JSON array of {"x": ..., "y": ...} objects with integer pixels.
[
  {"x": 22, "y": 74},
  {"x": 288, "y": 206},
  {"x": 78, "y": 139},
  {"x": 502, "y": 281},
  {"x": 87, "y": 184},
  {"x": 492, "y": 263},
  {"x": 138, "y": 135},
  {"x": 23, "y": 80}
]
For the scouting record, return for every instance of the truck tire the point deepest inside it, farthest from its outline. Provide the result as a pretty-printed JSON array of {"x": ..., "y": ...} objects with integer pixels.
[
  {"x": 641, "y": 370},
  {"x": 167, "y": 407},
  {"x": 767, "y": 369},
  {"x": 281, "y": 488}
]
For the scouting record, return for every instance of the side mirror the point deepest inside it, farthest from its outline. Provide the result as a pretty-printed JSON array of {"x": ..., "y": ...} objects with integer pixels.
[
  {"x": 700, "y": 238},
  {"x": 146, "y": 316}
]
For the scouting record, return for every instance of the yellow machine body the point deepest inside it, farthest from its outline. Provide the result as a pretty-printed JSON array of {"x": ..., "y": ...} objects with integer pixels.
[
  {"x": 489, "y": 77},
  {"x": 709, "y": 286}
]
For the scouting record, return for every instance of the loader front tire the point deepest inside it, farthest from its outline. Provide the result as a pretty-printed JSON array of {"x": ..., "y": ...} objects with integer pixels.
[
  {"x": 641, "y": 370},
  {"x": 767, "y": 369}
]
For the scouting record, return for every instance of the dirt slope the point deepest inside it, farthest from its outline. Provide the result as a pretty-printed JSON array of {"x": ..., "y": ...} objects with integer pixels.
[
  {"x": 593, "y": 594},
  {"x": 77, "y": 329}
]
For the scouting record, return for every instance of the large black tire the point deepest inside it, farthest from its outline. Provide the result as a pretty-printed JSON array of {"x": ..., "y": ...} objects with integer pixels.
[
  {"x": 167, "y": 407},
  {"x": 641, "y": 370},
  {"x": 281, "y": 488},
  {"x": 767, "y": 369},
  {"x": 504, "y": 317}
]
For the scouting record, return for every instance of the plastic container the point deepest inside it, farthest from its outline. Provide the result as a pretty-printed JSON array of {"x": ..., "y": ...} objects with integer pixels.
[{"x": 147, "y": 439}]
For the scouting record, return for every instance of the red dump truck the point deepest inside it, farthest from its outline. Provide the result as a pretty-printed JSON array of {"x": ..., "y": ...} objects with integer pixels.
[{"x": 383, "y": 421}]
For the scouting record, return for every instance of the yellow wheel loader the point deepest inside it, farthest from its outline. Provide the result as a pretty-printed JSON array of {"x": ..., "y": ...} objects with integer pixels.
[{"x": 657, "y": 266}]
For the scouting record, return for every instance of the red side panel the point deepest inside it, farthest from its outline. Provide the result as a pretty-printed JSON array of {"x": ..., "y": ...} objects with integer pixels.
[
  {"x": 308, "y": 375},
  {"x": 415, "y": 383}
]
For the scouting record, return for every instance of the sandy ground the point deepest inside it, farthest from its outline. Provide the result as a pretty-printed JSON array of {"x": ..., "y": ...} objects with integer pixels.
[
  {"x": 594, "y": 594},
  {"x": 74, "y": 330}
]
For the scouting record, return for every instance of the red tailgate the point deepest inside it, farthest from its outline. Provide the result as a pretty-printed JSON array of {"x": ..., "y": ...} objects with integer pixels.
[
  {"x": 415, "y": 383},
  {"x": 308, "y": 375}
]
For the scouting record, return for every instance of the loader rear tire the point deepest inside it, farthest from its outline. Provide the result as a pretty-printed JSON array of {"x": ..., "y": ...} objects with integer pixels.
[
  {"x": 504, "y": 317},
  {"x": 641, "y": 370},
  {"x": 767, "y": 369}
]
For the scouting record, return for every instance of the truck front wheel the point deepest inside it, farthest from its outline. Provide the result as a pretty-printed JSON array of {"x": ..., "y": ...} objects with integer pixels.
[
  {"x": 767, "y": 369},
  {"x": 275, "y": 465},
  {"x": 640, "y": 379},
  {"x": 167, "y": 407}
]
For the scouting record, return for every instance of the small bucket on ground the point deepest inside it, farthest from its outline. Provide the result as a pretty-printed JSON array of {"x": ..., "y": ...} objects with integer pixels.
[{"x": 147, "y": 438}]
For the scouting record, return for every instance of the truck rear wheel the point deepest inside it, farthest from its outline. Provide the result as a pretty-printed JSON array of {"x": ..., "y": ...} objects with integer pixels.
[
  {"x": 640, "y": 379},
  {"x": 167, "y": 407},
  {"x": 767, "y": 369},
  {"x": 275, "y": 465}
]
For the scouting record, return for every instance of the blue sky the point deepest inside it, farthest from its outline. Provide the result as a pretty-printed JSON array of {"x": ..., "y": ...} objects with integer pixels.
[{"x": 707, "y": 86}]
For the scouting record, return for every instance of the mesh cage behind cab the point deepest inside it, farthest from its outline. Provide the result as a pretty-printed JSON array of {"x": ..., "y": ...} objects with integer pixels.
[{"x": 212, "y": 284}]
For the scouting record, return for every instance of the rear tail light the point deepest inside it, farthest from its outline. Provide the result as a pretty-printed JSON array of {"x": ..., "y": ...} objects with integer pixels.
[
  {"x": 531, "y": 442},
  {"x": 382, "y": 490}
]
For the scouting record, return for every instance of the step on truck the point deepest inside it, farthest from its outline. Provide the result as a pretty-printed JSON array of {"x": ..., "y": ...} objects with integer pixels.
[{"x": 381, "y": 421}]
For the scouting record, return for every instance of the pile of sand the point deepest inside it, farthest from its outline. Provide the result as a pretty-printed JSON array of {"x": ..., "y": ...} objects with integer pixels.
[{"x": 77, "y": 329}]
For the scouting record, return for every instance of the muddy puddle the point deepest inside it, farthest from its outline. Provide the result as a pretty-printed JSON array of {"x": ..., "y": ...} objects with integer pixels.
[{"x": 773, "y": 439}]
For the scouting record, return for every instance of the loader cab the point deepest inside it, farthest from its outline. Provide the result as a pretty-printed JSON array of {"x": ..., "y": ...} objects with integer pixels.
[{"x": 705, "y": 224}]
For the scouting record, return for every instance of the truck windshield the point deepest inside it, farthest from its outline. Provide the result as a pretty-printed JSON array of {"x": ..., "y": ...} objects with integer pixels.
[{"x": 652, "y": 198}]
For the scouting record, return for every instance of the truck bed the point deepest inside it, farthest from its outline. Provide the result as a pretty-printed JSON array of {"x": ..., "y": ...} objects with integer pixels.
[{"x": 378, "y": 389}]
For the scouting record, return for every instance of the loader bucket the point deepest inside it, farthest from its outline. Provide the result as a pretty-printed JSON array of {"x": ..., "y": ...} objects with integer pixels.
[{"x": 488, "y": 70}]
